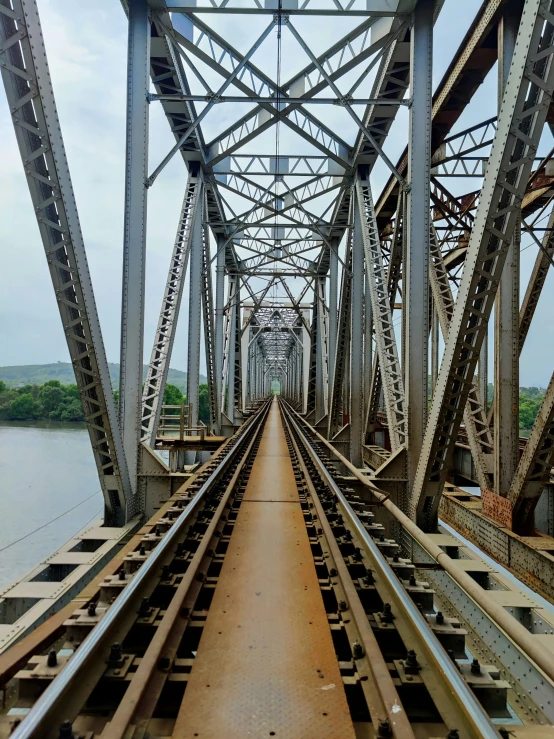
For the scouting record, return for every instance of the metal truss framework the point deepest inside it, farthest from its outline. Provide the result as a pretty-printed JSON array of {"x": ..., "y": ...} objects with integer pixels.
[{"x": 293, "y": 269}]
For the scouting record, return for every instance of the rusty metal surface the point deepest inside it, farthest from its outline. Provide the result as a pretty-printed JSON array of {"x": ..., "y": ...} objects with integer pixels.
[
  {"x": 497, "y": 507},
  {"x": 266, "y": 664}
]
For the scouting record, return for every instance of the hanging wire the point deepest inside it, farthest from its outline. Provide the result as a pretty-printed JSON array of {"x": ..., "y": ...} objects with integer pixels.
[{"x": 44, "y": 525}]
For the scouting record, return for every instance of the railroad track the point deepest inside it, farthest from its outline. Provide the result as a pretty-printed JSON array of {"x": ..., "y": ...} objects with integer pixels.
[{"x": 266, "y": 598}]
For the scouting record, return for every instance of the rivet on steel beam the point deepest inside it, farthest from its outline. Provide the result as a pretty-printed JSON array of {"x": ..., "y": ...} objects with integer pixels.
[
  {"x": 91, "y": 610},
  {"x": 455, "y": 734},
  {"x": 384, "y": 730},
  {"x": 357, "y": 650},
  {"x": 411, "y": 665},
  {"x": 386, "y": 613},
  {"x": 333, "y": 572},
  {"x": 343, "y": 606},
  {"x": 144, "y": 609},
  {"x": 475, "y": 667},
  {"x": 439, "y": 618},
  {"x": 66, "y": 730},
  {"x": 164, "y": 663},
  {"x": 413, "y": 582},
  {"x": 121, "y": 574},
  {"x": 115, "y": 654},
  {"x": 52, "y": 660}
]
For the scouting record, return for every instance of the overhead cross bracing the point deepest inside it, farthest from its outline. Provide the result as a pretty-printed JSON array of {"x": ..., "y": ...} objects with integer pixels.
[{"x": 346, "y": 230}]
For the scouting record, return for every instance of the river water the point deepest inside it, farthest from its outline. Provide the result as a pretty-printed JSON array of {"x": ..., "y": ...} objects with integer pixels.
[{"x": 46, "y": 468}]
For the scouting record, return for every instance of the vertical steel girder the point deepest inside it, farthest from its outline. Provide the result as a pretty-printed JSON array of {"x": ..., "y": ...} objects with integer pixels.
[
  {"x": 28, "y": 85},
  {"x": 524, "y": 107},
  {"x": 312, "y": 370},
  {"x": 393, "y": 385},
  {"x": 333, "y": 284},
  {"x": 134, "y": 240},
  {"x": 415, "y": 280},
  {"x": 218, "y": 329},
  {"x": 228, "y": 386},
  {"x": 196, "y": 286},
  {"x": 356, "y": 410},
  {"x": 232, "y": 360},
  {"x": 506, "y": 313},
  {"x": 368, "y": 349},
  {"x": 322, "y": 351},
  {"x": 154, "y": 386},
  {"x": 208, "y": 321},
  {"x": 342, "y": 345}
]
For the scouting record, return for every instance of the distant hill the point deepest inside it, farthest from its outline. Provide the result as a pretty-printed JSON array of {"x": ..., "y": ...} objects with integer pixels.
[{"x": 38, "y": 374}]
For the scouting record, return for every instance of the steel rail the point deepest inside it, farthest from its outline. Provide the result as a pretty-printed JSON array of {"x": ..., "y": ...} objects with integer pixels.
[
  {"x": 536, "y": 652},
  {"x": 39, "y": 721},
  {"x": 381, "y": 694},
  {"x": 462, "y": 694},
  {"x": 140, "y": 698}
]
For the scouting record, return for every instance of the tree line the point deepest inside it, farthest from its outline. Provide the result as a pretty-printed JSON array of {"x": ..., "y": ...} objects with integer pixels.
[{"x": 56, "y": 402}]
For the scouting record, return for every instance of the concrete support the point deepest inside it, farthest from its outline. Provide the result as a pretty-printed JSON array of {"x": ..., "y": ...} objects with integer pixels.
[
  {"x": 416, "y": 268},
  {"x": 134, "y": 239},
  {"x": 506, "y": 315}
]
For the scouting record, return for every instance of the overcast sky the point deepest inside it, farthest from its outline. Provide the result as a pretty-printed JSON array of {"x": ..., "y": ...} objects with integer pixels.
[{"x": 86, "y": 45}]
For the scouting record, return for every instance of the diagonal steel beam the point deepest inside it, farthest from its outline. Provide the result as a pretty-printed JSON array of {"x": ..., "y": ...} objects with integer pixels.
[
  {"x": 393, "y": 385},
  {"x": 154, "y": 386},
  {"x": 26, "y": 78},
  {"x": 475, "y": 418}
]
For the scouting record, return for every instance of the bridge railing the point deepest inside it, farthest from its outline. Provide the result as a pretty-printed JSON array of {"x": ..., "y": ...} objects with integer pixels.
[{"x": 175, "y": 423}]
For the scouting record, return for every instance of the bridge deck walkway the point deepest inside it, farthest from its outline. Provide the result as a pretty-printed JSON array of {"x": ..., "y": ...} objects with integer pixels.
[{"x": 266, "y": 665}]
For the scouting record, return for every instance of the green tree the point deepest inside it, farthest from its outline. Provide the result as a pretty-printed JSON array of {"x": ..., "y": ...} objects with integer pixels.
[
  {"x": 172, "y": 395},
  {"x": 72, "y": 411},
  {"x": 203, "y": 404},
  {"x": 6, "y": 396},
  {"x": 51, "y": 397},
  {"x": 24, "y": 408}
]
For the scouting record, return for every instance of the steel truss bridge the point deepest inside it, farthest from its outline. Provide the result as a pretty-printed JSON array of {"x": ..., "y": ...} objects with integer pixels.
[{"x": 288, "y": 572}]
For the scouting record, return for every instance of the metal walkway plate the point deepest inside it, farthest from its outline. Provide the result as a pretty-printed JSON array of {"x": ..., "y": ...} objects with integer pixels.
[{"x": 266, "y": 664}]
